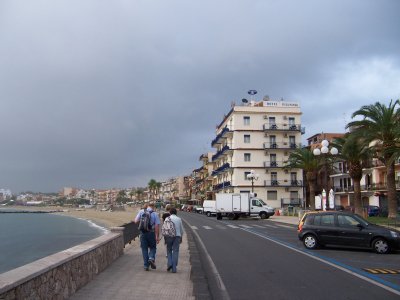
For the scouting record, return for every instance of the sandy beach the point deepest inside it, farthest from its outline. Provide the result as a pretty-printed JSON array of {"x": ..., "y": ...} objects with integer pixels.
[{"x": 105, "y": 219}]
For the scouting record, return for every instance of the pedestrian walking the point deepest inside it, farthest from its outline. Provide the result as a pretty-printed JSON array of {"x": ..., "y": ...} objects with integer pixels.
[
  {"x": 149, "y": 223},
  {"x": 173, "y": 242}
]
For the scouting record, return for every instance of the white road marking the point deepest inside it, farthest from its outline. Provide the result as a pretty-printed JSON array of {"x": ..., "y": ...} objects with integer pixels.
[
  {"x": 232, "y": 226},
  {"x": 245, "y": 226},
  {"x": 259, "y": 226},
  {"x": 194, "y": 227},
  {"x": 207, "y": 227},
  {"x": 285, "y": 226},
  {"x": 221, "y": 226},
  {"x": 272, "y": 226}
]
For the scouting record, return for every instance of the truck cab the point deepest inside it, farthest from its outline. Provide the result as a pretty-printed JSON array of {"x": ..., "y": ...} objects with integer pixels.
[{"x": 260, "y": 208}]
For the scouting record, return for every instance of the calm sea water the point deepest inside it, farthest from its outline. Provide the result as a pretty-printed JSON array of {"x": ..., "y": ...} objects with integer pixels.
[{"x": 26, "y": 237}]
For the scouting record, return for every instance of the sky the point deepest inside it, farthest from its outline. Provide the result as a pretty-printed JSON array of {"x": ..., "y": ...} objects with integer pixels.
[{"x": 102, "y": 94}]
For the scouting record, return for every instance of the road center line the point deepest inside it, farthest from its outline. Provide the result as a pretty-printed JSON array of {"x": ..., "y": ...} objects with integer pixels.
[{"x": 391, "y": 287}]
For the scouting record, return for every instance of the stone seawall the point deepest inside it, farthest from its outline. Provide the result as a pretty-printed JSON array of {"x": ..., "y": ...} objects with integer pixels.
[{"x": 60, "y": 275}]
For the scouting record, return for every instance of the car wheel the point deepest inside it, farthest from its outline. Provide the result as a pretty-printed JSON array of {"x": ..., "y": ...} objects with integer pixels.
[
  {"x": 380, "y": 245},
  {"x": 310, "y": 241},
  {"x": 208, "y": 214},
  {"x": 231, "y": 216},
  {"x": 263, "y": 215}
]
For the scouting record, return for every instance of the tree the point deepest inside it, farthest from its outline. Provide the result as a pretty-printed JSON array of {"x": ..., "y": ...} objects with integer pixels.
[
  {"x": 354, "y": 151},
  {"x": 379, "y": 128},
  {"x": 304, "y": 159},
  {"x": 139, "y": 193},
  {"x": 152, "y": 185}
]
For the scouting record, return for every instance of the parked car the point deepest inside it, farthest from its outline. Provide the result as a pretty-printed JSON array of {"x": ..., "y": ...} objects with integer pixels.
[
  {"x": 347, "y": 230},
  {"x": 373, "y": 210}
]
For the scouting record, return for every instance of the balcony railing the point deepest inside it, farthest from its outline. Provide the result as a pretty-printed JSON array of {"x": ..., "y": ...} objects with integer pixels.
[
  {"x": 284, "y": 183},
  {"x": 222, "y": 185},
  {"x": 282, "y": 126},
  {"x": 221, "y": 169},
  {"x": 281, "y": 145},
  {"x": 220, "y": 152},
  {"x": 218, "y": 138},
  {"x": 274, "y": 164}
]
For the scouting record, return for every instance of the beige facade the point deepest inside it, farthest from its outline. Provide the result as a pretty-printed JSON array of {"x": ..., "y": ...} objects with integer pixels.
[{"x": 259, "y": 136}]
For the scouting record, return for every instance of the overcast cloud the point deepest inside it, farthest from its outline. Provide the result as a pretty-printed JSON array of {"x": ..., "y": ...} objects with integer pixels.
[{"x": 101, "y": 94}]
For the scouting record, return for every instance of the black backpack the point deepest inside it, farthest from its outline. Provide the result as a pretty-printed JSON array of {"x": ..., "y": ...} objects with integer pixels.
[{"x": 145, "y": 222}]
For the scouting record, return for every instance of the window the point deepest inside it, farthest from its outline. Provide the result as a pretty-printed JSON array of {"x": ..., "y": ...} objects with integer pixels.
[
  {"x": 272, "y": 195},
  {"x": 247, "y": 156},
  {"x": 347, "y": 221},
  {"x": 246, "y": 120},
  {"x": 247, "y": 138},
  {"x": 324, "y": 220},
  {"x": 245, "y": 175}
]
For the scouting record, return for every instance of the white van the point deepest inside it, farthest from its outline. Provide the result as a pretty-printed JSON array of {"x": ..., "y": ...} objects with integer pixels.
[{"x": 209, "y": 208}]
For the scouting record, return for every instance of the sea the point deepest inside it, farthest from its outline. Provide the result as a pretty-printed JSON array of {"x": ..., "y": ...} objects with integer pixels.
[{"x": 26, "y": 237}]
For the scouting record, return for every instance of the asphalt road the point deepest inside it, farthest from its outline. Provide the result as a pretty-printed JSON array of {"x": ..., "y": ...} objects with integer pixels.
[{"x": 257, "y": 259}]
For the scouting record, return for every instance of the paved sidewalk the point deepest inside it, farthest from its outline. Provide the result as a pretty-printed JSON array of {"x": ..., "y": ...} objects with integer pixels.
[{"x": 126, "y": 278}]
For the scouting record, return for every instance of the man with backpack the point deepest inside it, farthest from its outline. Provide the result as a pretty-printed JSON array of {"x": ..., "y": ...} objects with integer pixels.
[
  {"x": 172, "y": 231},
  {"x": 149, "y": 223}
]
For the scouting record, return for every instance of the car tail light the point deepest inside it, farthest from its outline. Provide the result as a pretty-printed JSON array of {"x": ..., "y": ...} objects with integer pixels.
[{"x": 299, "y": 227}]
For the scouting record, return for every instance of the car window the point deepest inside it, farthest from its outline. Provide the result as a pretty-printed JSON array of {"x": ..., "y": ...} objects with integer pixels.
[
  {"x": 327, "y": 220},
  {"x": 309, "y": 220},
  {"x": 347, "y": 221}
]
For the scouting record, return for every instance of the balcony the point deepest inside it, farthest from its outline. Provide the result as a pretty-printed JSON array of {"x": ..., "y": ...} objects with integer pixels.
[
  {"x": 273, "y": 164},
  {"x": 219, "y": 138},
  {"x": 284, "y": 183},
  {"x": 281, "y": 145},
  {"x": 221, "y": 169},
  {"x": 283, "y": 127},
  {"x": 220, "y": 152},
  {"x": 222, "y": 185}
]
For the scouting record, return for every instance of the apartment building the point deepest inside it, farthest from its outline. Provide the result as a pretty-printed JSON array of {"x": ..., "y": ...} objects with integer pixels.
[
  {"x": 373, "y": 182},
  {"x": 259, "y": 136},
  {"x": 201, "y": 179}
]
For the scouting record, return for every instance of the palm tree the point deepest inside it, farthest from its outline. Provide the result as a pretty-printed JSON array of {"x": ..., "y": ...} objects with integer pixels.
[
  {"x": 139, "y": 193},
  {"x": 354, "y": 151},
  {"x": 380, "y": 128},
  {"x": 152, "y": 185},
  {"x": 304, "y": 159}
]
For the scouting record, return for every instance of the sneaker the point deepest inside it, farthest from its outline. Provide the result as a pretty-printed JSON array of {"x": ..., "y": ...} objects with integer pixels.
[
  {"x": 146, "y": 269},
  {"x": 169, "y": 268},
  {"x": 152, "y": 264}
]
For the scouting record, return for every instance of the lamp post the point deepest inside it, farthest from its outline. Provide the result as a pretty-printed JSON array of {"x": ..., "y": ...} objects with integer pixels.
[
  {"x": 252, "y": 176},
  {"x": 325, "y": 151}
]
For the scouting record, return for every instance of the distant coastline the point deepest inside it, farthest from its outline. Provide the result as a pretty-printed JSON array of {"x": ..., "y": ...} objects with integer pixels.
[{"x": 105, "y": 219}]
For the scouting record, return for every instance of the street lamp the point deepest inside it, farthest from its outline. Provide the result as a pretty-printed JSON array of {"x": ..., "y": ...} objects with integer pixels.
[
  {"x": 325, "y": 151},
  {"x": 252, "y": 176}
]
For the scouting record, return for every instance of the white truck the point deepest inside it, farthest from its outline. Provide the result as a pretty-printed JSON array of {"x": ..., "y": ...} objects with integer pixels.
[
  {"x": 234, "y": 206},
  {"x": 209, "y": 208}
]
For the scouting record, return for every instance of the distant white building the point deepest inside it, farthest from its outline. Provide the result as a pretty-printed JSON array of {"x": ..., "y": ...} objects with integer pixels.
[{"x": 5, "y": 194}]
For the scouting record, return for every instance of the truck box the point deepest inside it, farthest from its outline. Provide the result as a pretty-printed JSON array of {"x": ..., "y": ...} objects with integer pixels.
[
  {"x": 209, "y": 207},
  {"x": 234, "y": 206}
]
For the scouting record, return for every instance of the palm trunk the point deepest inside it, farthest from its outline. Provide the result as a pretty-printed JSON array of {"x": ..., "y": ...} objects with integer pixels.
[
  {"x": 311, "y": 179},
  {"x": 391, "y": 189},
  {"x": 358, "y": 208}
]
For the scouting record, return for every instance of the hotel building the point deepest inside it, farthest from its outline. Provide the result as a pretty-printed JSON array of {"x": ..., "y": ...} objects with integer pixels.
[{"x": 259, "y": 136}]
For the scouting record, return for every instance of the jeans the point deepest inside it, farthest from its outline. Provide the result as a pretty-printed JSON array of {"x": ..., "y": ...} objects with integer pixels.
[
  {"x": 149, "y": 246},
  {"x": 173, "y": 251}
]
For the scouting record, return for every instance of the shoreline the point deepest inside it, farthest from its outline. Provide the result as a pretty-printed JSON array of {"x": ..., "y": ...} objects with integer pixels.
[{"x": 104, "y": 219}]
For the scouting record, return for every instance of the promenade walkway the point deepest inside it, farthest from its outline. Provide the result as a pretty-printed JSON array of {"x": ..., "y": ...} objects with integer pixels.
[{"x": 126, "y": 279}]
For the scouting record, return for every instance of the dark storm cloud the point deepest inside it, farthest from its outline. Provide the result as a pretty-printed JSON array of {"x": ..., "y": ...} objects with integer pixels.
[{"x": 102, "y": 94}]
